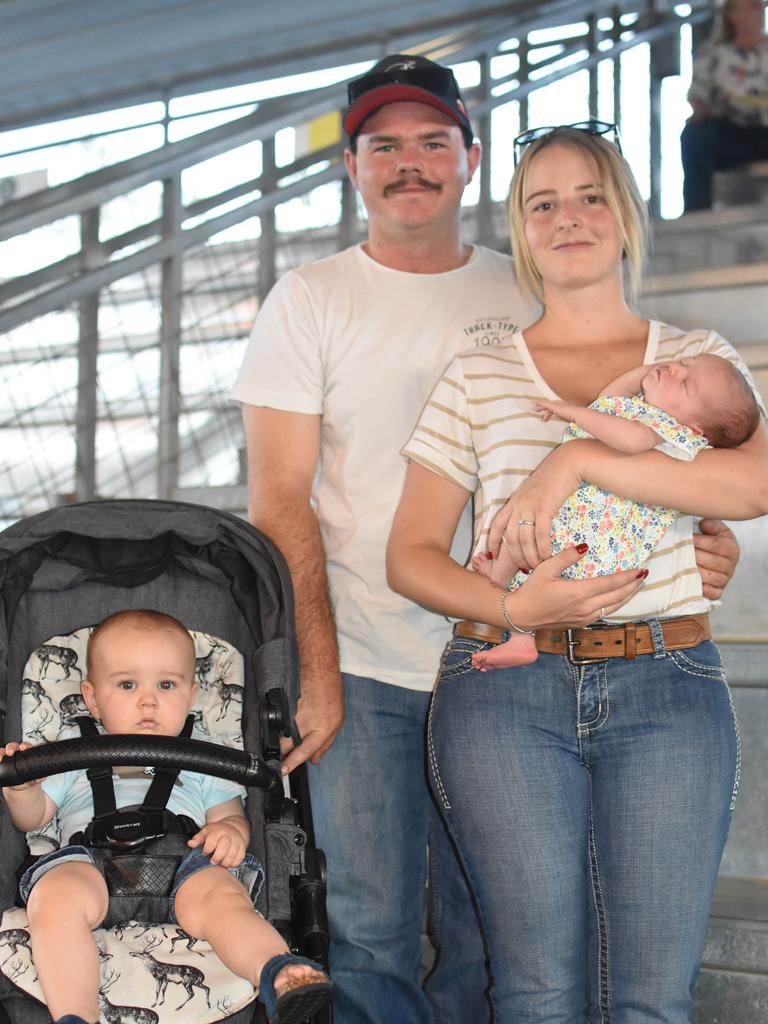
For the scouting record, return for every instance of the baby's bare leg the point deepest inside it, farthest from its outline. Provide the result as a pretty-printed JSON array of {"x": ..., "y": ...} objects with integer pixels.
[
  {"x": 64, "y": 907},
  {"x": 213, "y": 905}
]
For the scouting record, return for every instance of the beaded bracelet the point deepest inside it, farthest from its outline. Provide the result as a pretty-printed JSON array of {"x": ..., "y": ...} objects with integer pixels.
[{"x": 509, "y": 622}]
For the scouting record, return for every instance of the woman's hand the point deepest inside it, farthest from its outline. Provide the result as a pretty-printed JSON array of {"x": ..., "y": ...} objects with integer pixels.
[
  {"x": 547, "y": 600},
  {"x": 525, "y": 522}
]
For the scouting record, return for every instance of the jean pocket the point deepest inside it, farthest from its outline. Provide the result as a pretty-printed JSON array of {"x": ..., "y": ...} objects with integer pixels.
[
  {"x": 457, "y": 656},
  {"x": 703, "y": 661}
]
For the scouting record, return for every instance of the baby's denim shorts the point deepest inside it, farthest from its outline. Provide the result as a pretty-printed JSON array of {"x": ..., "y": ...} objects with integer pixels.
[{"x": 249, "y": 871}]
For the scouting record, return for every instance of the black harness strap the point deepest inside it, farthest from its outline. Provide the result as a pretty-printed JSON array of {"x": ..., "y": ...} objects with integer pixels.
[
  {"x": 102, "y": 785},
  {"x": 161, "y": 787},
  {"x": 100, "y": 778}
]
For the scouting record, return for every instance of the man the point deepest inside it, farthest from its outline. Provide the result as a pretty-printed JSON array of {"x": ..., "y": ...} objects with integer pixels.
[{"x": 343, "y": 355}]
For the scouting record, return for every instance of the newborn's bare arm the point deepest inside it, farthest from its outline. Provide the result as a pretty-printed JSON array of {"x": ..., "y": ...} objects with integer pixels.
[
  {"x": 626, "y": 436},
  {"x": 627, "y": 384}
]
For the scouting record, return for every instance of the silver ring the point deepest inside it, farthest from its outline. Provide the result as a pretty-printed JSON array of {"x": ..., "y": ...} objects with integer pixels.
[
  {"x": 505, "y": 542},
  {"x": 525, "y": 522},
  {"x": 602, "y": 613}
]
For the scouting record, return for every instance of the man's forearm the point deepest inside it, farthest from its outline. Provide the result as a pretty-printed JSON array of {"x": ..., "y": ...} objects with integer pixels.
[{"x": 294, "y": 529}]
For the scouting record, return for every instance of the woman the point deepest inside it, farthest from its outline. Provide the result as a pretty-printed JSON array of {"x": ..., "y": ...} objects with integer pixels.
[
  {"x": 729, "y": 98},
  {"x": 589, "y": 796}
]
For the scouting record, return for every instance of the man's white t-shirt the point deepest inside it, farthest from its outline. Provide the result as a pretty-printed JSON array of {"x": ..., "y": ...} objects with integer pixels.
[{"x": 362, "y": 346}]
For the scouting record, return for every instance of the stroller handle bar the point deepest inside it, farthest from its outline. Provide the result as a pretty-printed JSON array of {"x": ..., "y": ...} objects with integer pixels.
[{"x": 169, "y": 752}]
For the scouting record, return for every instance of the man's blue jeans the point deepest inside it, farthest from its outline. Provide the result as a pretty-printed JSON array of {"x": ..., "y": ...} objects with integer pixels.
[
  {"x": 582, "y": 796},
  {"x": 373, "y": 817}
]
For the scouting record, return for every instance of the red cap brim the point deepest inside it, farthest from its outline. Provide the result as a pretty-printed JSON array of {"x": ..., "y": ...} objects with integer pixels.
[{"x": 395, "y": 93}]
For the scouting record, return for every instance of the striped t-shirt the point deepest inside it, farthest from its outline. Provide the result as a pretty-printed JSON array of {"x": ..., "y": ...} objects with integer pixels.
[{"x": 480, "y": 431}]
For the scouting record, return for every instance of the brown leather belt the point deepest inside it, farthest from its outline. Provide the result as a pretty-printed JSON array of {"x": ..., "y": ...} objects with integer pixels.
[{"x": 597, "y": 643}]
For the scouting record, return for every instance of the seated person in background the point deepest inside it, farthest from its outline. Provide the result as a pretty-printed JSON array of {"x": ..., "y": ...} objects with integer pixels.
[
  {"x": 678, "y": 407},
  {"x": 141, "y": 667},
  {"x": 729, "y": 97}
]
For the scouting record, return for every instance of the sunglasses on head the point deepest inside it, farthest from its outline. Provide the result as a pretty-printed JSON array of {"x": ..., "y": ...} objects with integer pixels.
[
  {"x": 436, "y": 80},
  {"x": 590, "y": 127}
]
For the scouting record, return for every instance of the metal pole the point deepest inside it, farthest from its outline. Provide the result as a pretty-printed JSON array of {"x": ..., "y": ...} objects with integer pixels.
[
  {"x": 87, "y": 365},
  {"x": 268, "y": 241},
  {"x": 592, "y": 49},
  {"x": 485, "y": 230},
  {"x": 654, "y": 205},
  {"x": 170, "y": 345},
  {"x": 348, "y": 219},
  {"x": 524, "y": 69},
  {"x": 616, "y": 36}
]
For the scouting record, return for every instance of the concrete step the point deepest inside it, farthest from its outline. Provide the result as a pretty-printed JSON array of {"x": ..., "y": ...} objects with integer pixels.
[
  {"x": 745, "y": 184},
  {"x": 733, "y": 985},
  {"x": 709, "y": 238},
  {"x": 732, "y": 300}
]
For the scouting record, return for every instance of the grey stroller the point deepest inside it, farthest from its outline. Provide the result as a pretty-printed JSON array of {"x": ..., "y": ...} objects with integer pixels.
[{"x": 63, "y": 571}]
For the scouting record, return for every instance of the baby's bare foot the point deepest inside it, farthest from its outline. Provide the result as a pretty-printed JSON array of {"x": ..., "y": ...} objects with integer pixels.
[
  {"x": 518, "y": 650},
  {"x": 295, "y": 975},
  {"x": 483, "y": 563}
]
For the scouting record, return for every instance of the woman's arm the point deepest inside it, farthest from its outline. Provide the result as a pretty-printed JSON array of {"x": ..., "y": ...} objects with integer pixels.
[
  {"x": 718, "y": 484},
  {"x": 419, "y": 566},
  {"x": 721, "y": 483}
]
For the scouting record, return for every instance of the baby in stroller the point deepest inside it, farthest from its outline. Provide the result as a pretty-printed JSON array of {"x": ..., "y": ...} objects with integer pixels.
[{"x": 141, "y": 681}]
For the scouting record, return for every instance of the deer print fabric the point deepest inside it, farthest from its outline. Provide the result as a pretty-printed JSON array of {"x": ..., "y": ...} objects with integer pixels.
[{"x": 148, "y": 974}]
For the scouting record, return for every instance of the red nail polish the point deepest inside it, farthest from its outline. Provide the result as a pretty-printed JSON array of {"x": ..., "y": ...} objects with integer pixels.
[
  {"x": 525, "y": 571},
  {"x": 489, "y": 555},
  {"x": 582, "y": 548},
  {"x": 642, "y": 574}
]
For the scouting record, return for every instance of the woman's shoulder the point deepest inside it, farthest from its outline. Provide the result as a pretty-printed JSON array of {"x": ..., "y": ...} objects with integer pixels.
[{"x": 678, "y": 342}]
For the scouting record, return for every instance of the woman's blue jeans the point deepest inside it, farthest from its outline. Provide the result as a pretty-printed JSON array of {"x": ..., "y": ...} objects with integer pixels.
[{"x": 590, "y": 805}]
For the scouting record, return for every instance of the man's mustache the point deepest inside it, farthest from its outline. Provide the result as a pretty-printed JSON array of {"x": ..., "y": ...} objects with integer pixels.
[{"x": 401, "y": 183}]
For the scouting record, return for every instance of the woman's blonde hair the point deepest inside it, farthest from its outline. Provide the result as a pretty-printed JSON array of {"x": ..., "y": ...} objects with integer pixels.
[{"x": 620, "y": 192}]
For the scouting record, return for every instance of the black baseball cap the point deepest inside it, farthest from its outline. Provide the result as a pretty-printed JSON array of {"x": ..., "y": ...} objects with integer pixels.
[{"x": 405, "y": 77}]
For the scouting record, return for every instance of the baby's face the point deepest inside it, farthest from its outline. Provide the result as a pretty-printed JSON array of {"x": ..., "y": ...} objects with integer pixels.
[
  {"x": 141, "y": 681},
  {"x": 688, "y": 389}
]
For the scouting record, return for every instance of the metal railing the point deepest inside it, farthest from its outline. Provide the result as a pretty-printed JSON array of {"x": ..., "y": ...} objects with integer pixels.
[{"x": 170, "y": 259}]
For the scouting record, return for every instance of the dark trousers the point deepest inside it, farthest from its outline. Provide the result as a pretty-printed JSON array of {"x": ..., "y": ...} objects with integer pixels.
[{"x": 715, "y": 145}]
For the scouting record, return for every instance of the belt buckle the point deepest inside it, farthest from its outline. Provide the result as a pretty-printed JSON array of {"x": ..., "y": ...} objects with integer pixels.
[{"x": 570, "y": 654}]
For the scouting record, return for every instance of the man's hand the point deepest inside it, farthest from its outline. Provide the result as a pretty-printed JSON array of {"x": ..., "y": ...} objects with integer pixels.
[
  {"x": 717, "y": 554},
  {"x": 319, "y": 718}
]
